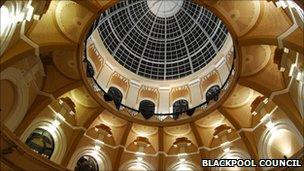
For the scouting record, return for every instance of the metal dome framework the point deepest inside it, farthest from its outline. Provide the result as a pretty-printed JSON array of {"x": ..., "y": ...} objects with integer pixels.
[{"x": 160, "y": 44}]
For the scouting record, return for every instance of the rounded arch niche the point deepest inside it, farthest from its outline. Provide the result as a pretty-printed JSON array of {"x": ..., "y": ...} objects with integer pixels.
[
  {"x": 103, "y": 162},
  {"x": 17, "y": 112},
  {"x": 136, "y": 165},
  {"x": 183, "y": 166},
  {"x": 87, "y": 163},
  {"x": 234, "y": 154},
  {"x": 60, "y": 142},
  {"x": 272, "y": 145},
  {"x": 10, "y": 9},
  {"x": 42, "y": 142}
]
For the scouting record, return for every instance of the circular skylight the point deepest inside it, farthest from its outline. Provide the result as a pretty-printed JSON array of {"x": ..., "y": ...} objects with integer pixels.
[
  {"x": 164, "y": 9},
  {"x": 161, "y": 39}
]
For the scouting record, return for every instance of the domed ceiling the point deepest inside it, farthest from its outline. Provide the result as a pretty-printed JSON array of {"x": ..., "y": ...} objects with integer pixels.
[
  {"x": 160, "y": 51},
  {"x": 161, "y": 40}
]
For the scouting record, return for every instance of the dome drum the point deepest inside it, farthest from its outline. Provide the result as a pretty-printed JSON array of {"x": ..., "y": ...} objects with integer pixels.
[
  {"x": 189, "y": 47},
  {"x": 170, "y": 114}
]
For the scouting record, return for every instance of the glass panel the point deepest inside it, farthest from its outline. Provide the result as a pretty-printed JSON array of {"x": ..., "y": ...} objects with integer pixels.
[{"x": 41, "y": 141}]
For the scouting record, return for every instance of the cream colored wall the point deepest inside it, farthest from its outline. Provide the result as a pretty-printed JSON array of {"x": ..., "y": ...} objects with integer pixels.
[{"x": 243, "y": 20}]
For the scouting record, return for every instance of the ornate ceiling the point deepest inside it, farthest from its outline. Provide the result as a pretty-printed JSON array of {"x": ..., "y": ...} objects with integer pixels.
[{"x": 44, "y": 85}]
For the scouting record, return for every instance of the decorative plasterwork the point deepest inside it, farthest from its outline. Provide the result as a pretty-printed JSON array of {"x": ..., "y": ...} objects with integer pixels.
[
  {"x": 212, "y": 120},
  {"x": 178, "y": 131},
  {"x": 241, "y": 19},
  {"x": 163, "y": 94},
  {"x": 82, "y": 97},
  {"x": 254, "y": 58},
  {"x": 149, "y": 93},
  {"x": 239, "y": 97},
  {"x": 111, "y": 120},
  {"x": 73, "y": 25},
  {"x": 120, "y": 82},
  {"x": 143, "y": 130},
  {"x": 178, "y": 93}
]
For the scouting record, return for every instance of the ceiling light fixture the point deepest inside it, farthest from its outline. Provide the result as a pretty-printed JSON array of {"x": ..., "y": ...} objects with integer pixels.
[
  {"x": 267, "y": 121},
  {"x": 226, "y": 146},
  {"x": 98, "y": 144}
]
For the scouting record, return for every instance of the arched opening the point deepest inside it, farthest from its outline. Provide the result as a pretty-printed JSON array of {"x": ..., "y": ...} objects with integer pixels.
[
  {"x": 42, "y": 142},
  {"x": 8, "y": 98},
  {"x": 56, "y": 132},
  {"x": 147, "y": 108},
  {"x": 88, "y": 153},
  {"x": 213, "y": 93},
  {"x": 21, "y": 100},
  {"x": 183, "y": 166},
  {"x": 5, "y": 19},
  {"x": 86, "y": 163},
  {"x": 179, "y": 107},
  {"x": 280, "y": 141},
  {"x": 135, "y": 165},
  {"x": 8, "y": 12},
  {"x": 137, "y": 168},
  {"x": 234, "y": 154}
]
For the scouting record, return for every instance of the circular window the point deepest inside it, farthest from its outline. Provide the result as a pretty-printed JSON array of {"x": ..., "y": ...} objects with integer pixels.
[{"x": 161, "y": 40}]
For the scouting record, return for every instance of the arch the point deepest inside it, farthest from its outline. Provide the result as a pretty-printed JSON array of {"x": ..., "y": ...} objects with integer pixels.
[
  {"x": 18, "y": 112},
  {"x": 147, "y": 108},
  {"x": 8, "y": 98},
  {"x": 94, "y": 57},
  {"x": 11, "y": 9},
  {"x": 60, "y": 141},
  {"x": 301, "y": 97},
  {"x": 180, "y": 93},
  {"x": 41, "y": 135},
  {"x": 147, "y": 93},
  {"x": 120, "y": 82},
  {"x": 279, "y": 125},
  {"x": 213, "y": 93},
  {"x": 103, "y": 161},
  {"x": 234, "y": 154},
  {"x": 87, "y": 163},
  {"x": 138, "y": 164},
  {"x": 210, "y": 80},
  {"x": 183, "y": 166}
]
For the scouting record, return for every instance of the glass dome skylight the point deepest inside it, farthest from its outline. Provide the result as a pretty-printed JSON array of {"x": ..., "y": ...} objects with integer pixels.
[{"x": 161, "y": 39}]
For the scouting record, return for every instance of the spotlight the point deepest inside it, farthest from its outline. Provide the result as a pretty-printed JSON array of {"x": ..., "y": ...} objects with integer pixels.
[
  {"x": 98, "y": 145},
  {"x": 175, "y": 115},
  {"x": 139, "y": 159},
  {"x": 267, "y": 121},
  {"x": 107, "y": 97},
  {"x": 147, "y": 108},
  {"x": 147, "y": 114},
  {"x": 182, "y": 160},
  {"x": 190, "y": 112},
  {"x": 90, "y": 70},
  {"x": 226, "y": 146},
  {"x": 56, "y": 123},
  {"x": 117, "y": 104}
]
